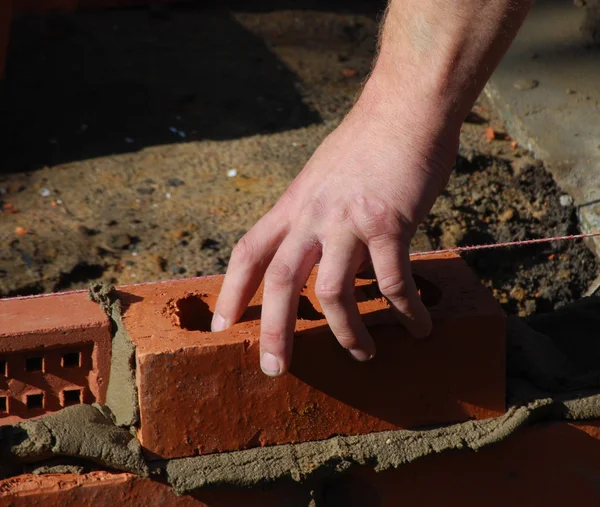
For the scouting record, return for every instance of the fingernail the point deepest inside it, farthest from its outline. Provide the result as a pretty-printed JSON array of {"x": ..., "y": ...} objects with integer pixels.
[
  {"x": 270, "y": 364},
  {"x": 361, "y": 355},
  {"x": 218, "y": 323}
]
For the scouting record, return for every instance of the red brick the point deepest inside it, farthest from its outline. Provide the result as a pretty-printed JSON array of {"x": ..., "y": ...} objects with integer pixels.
[
  {"x": 202, "y": 392},
  {"x": 552, "y": 465},
  {"x": 68, "y": 337},
  {"x": 105, "y": 489}
]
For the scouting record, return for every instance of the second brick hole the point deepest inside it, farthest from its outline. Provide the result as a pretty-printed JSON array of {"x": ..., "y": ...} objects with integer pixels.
[{"x": 193, "y": 313}]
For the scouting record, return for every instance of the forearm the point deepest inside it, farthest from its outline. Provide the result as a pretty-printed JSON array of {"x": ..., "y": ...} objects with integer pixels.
[{"x": 440, "y": 53}]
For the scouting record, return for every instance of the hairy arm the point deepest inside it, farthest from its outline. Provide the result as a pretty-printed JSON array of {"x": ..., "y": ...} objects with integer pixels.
[{"x": 365, "y": 190}]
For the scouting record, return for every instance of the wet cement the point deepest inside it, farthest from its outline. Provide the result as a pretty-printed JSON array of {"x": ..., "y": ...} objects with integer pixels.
[
  {"x": 121, "y": 395},
  {"x": 553, "y": 375},
  {"x": 87, "y": 432}
]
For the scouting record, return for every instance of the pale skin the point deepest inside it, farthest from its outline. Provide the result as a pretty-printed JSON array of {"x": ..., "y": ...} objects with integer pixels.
[{"x": 363, "y": 193}]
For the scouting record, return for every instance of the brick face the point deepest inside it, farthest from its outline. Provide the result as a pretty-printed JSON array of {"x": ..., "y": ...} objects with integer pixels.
[
  {"x": 54, "y": 351},
  {"x": 203, "y": 392}
]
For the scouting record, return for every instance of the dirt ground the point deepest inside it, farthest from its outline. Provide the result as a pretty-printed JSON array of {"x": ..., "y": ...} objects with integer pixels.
[{"x": 141, "y": 144}]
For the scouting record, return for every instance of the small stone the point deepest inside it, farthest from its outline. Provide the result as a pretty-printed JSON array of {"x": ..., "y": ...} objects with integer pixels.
[
  {"x": 507, "y": 215},
  {"x": 21, "y": 231},
  {"x": 565, "y": 200},
  {"x": 177, "y": 270},
  {"x": 45, "y": 192},
  {"x": 175, "y": 182},
  {"x": 232, "y": 173},
  {"x": 120, "y": 241},
  {"x": 526, "y": 84},
  {"x": 145, "y": 190},
  {"x": 518, "y": 293}
]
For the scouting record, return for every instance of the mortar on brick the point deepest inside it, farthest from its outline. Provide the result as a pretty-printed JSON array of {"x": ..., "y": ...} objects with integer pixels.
[
  {"x": 83, "y": 431},
  {"x": 122, "y": 395}
]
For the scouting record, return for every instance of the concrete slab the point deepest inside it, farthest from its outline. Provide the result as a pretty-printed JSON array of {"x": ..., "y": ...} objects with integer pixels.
[{"x": 547, "y": 89}]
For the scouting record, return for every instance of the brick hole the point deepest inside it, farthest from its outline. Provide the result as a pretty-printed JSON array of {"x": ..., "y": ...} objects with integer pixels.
[
  {"x": 71, "y": 360},
  {"x": 191, "y": 312},
  {"x": 3, "y": 372},
  {"x": 34, "y": 401},
  {"x": 71, "y": 397},
  {"x": 34, "y": 363},
  {"x": 306, "y": 310},
  {"x": 3, "y": 404},
  {"x": 430, "y": 293}
]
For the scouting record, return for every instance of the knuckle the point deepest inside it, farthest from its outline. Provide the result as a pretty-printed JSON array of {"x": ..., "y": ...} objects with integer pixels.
[
  {"x": 280, "y": 273},
  {"x": 244, "y": 250},
  {"x": 314, "y": 208},
  {"x": 393, "y": 287},
  {"x": 329, "y": 295},
  {"x": 371, "y": 216}
]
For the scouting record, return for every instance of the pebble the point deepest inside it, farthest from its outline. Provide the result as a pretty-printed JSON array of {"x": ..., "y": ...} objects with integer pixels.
[
  {"x": 20, "y": 231},
  {"x": 120, "y": 241},
  {"x": 565, "y": 200},
  {"x": 526, "y": 84},
  {"x": 45, "y": 192},
  {"x": 175, "y": 182},
  {"x": 507, "y": 215},
  {"x": 232, "y": 173}
]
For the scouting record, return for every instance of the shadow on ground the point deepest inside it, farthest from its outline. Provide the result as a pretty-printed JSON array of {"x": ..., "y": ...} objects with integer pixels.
[{"x": 103, "y": 82}]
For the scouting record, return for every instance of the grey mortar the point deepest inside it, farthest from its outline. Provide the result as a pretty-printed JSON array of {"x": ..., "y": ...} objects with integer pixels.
[
  {"x": 82, "y": 431},
  {"x": 122, "y": 395},
  {"x": 381, "y": 451}
]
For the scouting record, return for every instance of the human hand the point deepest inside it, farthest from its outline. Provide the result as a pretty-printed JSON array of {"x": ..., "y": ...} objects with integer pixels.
[{"x": 360, "y": 197}]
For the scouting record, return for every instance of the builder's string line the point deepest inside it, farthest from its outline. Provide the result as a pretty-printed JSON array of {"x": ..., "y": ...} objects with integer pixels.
[{"x": 524, "y": 242}]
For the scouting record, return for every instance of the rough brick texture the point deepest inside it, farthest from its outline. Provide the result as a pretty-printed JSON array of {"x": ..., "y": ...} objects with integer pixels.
[
  {"x": 553, "y": 465},
  {"x": 54, "y": 352},
  {"x": 105, "y": 489},
  {"x": 202, "y": 392}
]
